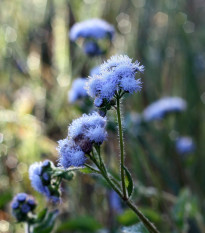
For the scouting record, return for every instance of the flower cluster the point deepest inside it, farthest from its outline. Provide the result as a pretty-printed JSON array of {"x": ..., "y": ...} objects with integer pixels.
[
  {"x": 77, "y": 90},
  {"x": 162, "y": 107},
  {"x": 92, "y": 28},
  {"x": 91, "y": 31},
  {"x": 117, "y": 73},
  {"x": 21, "y": 205},
  {"x": 42, "y": 180},
  {"x": 185, "y": 145},
  {"x": 82, "y": 134}
]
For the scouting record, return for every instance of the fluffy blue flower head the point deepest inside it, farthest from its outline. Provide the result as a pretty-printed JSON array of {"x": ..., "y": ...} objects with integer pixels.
[
  {"x": 92, "y": 28},
  {"x": 95, "y": 71},
  {"x": 185, "y": 145},
  {"x": 162, "y": 107},
  {"x": 117, "y": 73},
  {"x": 42, "y": 181},
  {"x": 70, "y": 154},
  {"x": 21, "y": 205},
  {"x": 89, "y": 127},
  {"x": 82, "y": 134},
  {"x": 77, "y": 90}
]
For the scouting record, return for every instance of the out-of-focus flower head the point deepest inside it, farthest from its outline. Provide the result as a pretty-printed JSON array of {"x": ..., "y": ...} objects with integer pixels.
[
  {"x": 42, "y": 180},
  {"x": 21, "y": 205},
  {"x": 162, "y": 107},
  {"x": 115, "y": 201},
  {"x": 77, "y": 90},
  {"x": 92, "y": 28},
  {"x": 92, "y": 31},
  {"x": 82, "y": 134},
  {"x": 117, "y": 73},
  {"x": 185, "y": 145}
]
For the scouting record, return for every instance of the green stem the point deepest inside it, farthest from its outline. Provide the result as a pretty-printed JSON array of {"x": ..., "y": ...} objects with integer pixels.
[
  {"x": 149, "y": 225},
  {"x": 129, "y": 203},
  {"x": 121, "y": 148}
]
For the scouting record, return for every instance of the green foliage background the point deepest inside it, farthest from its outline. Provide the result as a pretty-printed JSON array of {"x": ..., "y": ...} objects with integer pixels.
[{"x": 37, "y": 66}]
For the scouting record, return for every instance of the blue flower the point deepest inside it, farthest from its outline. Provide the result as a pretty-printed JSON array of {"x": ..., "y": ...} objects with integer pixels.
[
  {"x": 21, "y": 205},
  {"x": 70, "y": 154},
  {"x": 42, "y": 182},
  {"x": 77, "y": 90},
  {"x": 92, "y": 28},
  {"x": 91, "y": 48},
  {"x": 162, "y": 107},
  {"x": 95, "y": 71},
  {"x": 185, "y": 145},
  {"x": 25, "y": 208},
  {"x": 91, "y": 127},
  {"x": 21, "y": 197},
  {"x": 115, "y": 201},
  {"x": 117, "y": 73}
]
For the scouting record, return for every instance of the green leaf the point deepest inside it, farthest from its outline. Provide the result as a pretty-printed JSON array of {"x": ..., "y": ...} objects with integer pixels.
[
  {"x": 86, "y": 170},
  {"x": 80, "y": 224},
  {"x": 41, "y": 215},
  {"x": 138, "y": 228},
  {"x": 127, "y": 218},
  {"x": 130, "y": 182}
]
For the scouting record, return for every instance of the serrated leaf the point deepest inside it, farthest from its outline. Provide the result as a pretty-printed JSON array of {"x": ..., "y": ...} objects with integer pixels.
[
  {"x": 130, "y": 182},
  {"x": 138, "y": 228}
]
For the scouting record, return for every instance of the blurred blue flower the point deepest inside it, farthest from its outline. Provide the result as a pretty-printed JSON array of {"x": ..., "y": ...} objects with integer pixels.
[
  {"x": 21, "y": 205},
  {"x": 185, "y": 145},
  {"x": 70, "y": 154},
  {"x": 91, "y": 48},
  {"x": 92, "y": 28},
  {"x": 21, "y": 197},
  {"x": 117, "y": 73},
  {"x": 42, "y": 181},
  {"x": 115, "y": 201},
  {"x": 160, "y": 108},
  {"x": 77, "y": 90}
]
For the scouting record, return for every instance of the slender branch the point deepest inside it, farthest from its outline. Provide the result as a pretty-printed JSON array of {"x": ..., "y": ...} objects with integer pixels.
[
  {"x": 149, "y": 225},
  {"x": 121, "y": 148}
]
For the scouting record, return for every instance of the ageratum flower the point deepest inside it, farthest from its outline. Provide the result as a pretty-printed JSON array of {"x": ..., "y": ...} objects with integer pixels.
[
  {"x": 92, "y": 28},
  {"x": 185, "y": 145},
  {"x": 77, "y": 90},
  {"x": 82, "y": 134},
  {"x": 42, "y": 181},
  {"x": 89, "y": 128},
  {"x": 70, "y": 154},
  {"x": 162, "y": 107},
  {"x": 92, "y": 31},
  {"x": 117, "y": 73},
  {"x": 21, "y": 205},
  {"x": 95, "y": 71}
]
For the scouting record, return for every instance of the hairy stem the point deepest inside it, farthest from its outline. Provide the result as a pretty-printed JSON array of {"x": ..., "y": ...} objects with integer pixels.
[
  {"x": 150, "y": 226},
  {"x": 121, "y": 148}
]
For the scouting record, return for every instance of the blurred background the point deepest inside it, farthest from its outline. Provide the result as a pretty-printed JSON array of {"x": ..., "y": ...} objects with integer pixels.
[{"x": 38, "y": 64}]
